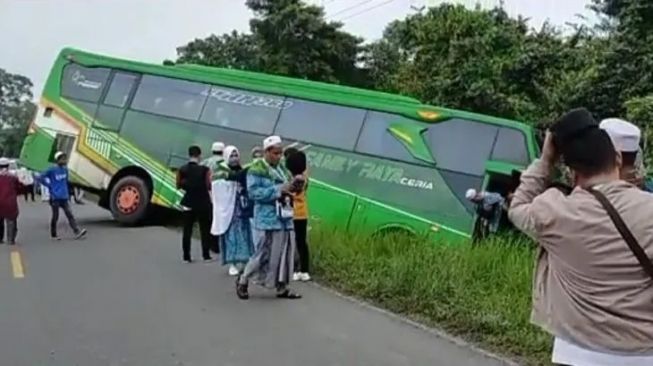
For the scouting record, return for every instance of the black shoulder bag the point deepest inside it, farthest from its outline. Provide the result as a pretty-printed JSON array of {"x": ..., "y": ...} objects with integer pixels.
[{"x": 627, "y": 235}]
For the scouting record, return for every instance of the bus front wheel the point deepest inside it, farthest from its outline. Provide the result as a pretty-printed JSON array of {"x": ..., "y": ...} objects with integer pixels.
[{"x": 129, "y": 200}]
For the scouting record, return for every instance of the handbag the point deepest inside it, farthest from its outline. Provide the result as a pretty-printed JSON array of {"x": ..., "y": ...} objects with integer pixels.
[{"x": 626, "y": 234}]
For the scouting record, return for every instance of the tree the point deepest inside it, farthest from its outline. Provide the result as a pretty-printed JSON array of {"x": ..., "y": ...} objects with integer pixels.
[
  {"x": 232, "y": 50},
  {"x": 16, "y": 111},
  {"x": 626, "y": 69},
  {"x": 287, "y": 37},
  {"x": 479, "y": 60}
]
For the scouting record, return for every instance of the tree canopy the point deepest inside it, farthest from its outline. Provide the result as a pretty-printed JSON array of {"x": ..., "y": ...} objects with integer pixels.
[
  {"x": 450, "y": 55},
  {"x": 16, "y": 111}
]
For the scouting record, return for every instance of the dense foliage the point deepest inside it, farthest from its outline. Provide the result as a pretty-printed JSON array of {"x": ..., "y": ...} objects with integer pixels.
[
  {"x": 16, "y": 111},
  {"x": 449, "y": 55}
]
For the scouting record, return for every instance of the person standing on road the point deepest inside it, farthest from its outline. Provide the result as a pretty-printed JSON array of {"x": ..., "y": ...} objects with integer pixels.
[
  {"x": 216, "y": 159},
  {"x": 593, "y": 280},
  {"x": 195, "y": 180},
  {"x": 296, "y": 164},
  {"x": 27, "y": 180},
  {"x": 232, "y": 211},
  {"x": 215, "y": 164},
  {"x": 55, "y": 180},
  {"x": 270, "y": 187},
  {"x": 9, "y": 188}
]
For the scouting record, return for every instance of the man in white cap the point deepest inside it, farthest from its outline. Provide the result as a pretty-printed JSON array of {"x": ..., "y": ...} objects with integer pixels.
[
  {"x": 270, "y": 186},
  {"x": 489, "y": 205},
  {"x": 215, "y": 160},
  {"x": 216, "y": 165},
  {"x": 625, "y": 137},
  {"x": 55, "y": 180}
]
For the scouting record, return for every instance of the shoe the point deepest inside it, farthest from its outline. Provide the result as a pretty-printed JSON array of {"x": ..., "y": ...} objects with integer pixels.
[
  {"x": 188, "y": 260},
  {"x": 209, "y": 260},
  {"x": 80, "y": 234},
  {"x": 304, "y": 277},
  {"x": 242, "y": 291},
  {"x": 288, "y": 294},
  {"x": 296, "y": 276},
  {"x": 233, "y": 271},
  {"x": 55, "y": 238}
]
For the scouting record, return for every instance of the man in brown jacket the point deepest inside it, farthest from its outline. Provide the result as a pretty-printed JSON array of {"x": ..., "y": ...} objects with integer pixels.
[{"x": 589, "y": 290}]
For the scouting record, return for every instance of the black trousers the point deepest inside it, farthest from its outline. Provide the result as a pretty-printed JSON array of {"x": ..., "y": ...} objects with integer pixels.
[
  {"x": 301, "y": 228},
  {"x": 65, "y": 206},
  {"x": 29, "y": 191},
  {"x": 203, "y": 216},
  {"x": 12, "y": 229}
]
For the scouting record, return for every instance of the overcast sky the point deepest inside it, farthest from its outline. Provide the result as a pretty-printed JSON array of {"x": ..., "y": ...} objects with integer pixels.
[{"x": 33, "y": 31}]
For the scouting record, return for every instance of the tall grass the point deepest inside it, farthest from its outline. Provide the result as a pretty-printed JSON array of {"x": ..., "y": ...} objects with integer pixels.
[{"x": 481, "y": 293}]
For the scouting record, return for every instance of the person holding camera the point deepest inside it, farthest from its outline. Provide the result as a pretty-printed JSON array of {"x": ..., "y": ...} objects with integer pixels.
[
  {"x": 593, "y": 282},
  {"x": 271, "y": 188}
]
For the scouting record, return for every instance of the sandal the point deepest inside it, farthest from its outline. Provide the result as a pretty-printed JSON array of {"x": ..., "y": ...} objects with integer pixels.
[
  {"x": 287, "y": 294},
  {"x": 241, "y": 290}
]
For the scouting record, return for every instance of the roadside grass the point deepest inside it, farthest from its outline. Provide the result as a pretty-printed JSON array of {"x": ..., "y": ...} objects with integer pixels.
[{"x": 481, "y": 293}]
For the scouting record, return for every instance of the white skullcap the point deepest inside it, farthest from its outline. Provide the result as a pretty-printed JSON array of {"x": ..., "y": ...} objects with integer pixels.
[
  {"x": 271, "y": 141},
  {"x": 58, "y": 154},
  {"x": 217, "y": 146},
  {"x": 4, "y": 162},
  {"x": 471, "y": 193},
  {"x": 624, "y": 135}
]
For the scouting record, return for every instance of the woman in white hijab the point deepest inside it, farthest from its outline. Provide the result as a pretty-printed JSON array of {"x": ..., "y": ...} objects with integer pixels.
[{"x": 232, "y": 211}]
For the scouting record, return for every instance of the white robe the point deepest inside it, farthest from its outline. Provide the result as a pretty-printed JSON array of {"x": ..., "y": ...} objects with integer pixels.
[{"x": 223, "y": 196}]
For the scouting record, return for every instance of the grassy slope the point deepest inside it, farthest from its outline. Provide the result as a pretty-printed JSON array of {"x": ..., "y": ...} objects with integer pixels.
[{"x": 481, "y": 293}]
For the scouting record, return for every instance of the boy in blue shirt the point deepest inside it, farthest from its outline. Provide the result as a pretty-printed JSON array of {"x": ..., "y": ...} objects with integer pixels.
[{"x": 55, "y": 180}]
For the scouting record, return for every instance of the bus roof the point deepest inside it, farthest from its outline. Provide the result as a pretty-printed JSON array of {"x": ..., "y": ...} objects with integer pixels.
[
  {"x": 281, "y": 85},
  {"x": 218, "y": 75}
]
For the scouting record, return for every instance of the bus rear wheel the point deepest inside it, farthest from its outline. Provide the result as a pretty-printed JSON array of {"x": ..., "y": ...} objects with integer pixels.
[{"x": 129, "y": 200}]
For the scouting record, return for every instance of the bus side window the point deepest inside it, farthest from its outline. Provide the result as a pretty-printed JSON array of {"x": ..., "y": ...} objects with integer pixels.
[
  {"x": 510, "y": 147},
  {"x": 375, "y": 139},
  {"x": 119, "y": 90},
  {"x": 461, "y": 146}
]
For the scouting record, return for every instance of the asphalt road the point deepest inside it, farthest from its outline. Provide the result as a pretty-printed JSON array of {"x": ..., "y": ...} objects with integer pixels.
[{"x": 123, "y": 297}]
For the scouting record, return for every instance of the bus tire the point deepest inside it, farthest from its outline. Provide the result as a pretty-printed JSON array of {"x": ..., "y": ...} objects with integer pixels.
[{"x": 129, "y": 200}]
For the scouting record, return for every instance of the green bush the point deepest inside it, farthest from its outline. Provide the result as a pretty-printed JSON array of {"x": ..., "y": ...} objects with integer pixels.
[{"x": 481, "y": 293}]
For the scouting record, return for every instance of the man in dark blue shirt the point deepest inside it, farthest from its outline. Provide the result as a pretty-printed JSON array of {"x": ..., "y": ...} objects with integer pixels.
[{"x": 55, "y": 180}]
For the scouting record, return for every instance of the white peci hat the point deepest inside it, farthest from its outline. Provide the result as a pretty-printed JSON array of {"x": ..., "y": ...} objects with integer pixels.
[
  {"x": 58, "y": 154},
  {"x": 271, "y": 141},
  {"x": 217, "y": 146},
  {"x": 624, "y": 135},
  {"x": 471, "y": 193},
  {"x": 4, "y": 162}
]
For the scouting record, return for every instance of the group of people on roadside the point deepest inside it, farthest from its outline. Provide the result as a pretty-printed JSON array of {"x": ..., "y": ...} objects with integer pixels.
[
  {"x": 54, "y": 181},
  {"x": 254, "y": 214},
  {"x": 593, "y": 281}
]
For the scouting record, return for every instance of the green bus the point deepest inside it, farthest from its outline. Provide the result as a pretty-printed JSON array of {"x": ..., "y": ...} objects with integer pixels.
[{"x": 378, "y": 162}]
